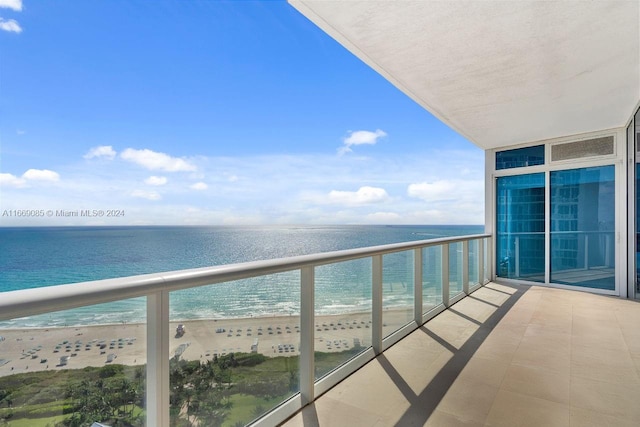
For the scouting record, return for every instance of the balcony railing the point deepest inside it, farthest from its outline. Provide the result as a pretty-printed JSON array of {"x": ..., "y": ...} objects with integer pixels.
[{"x": 429, "y": 275}]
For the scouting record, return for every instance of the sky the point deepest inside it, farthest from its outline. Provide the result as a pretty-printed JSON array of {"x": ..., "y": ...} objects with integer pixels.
[{"x": 212, "y": 113}]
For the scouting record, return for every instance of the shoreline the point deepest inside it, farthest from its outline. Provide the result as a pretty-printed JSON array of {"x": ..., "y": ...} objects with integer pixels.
[{"x": 38, "y": 349}]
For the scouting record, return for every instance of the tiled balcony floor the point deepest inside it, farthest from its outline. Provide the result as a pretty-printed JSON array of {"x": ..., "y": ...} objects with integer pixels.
[{"x": 505, "y": 356}]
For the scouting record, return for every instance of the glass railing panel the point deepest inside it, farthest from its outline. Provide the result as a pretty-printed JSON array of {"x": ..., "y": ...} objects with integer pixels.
[
  {"x": 75, "y": 367},
  {"x": 455, "y": 269},
  {"x": 397, "y": 291},
  {"x": 234, "y": 349},
  {"x": 487, "y": 260},
  {"x": 431, "y": 277},
  {"x": 343, "y": 313},
  {"x": 473, "y": 262}
]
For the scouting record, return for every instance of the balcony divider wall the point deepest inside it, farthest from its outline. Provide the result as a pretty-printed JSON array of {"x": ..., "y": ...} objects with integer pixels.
[{"x": 633, "y": 203}]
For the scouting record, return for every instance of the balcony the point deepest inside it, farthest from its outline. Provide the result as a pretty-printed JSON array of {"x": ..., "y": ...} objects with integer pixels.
[
  {"x": 504, "y": 356},
  {"x": 453, "y": 353}
]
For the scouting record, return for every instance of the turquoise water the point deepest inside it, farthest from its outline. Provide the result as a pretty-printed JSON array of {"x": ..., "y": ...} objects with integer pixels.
[{"x": 43, "y": 256}]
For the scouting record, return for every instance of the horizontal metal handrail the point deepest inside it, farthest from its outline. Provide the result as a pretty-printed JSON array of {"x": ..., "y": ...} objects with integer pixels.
[
  {"x": 542, "y": 233},
  {"x": 29, "y": 302},
  {"x": 584, "y": 232}
]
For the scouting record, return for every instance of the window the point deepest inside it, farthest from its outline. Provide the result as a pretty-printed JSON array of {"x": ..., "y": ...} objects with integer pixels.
[{"x": 520, "y": 157}]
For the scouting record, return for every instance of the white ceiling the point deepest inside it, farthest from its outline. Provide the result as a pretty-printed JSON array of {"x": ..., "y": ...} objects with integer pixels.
[{"x": 499, "y": 73}]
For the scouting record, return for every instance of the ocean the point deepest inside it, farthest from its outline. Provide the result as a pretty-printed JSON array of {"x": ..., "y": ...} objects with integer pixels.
[{"x": 38, "y": 257}]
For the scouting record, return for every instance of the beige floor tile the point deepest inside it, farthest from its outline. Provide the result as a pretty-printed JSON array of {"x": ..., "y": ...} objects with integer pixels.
[
  {"x": 598, "y": 355},
  {"x": 628, "y": 314},
  {"x": 585, "y": 325},
  {"x": 544, "y": 336},
  {"x": 501, "y": 288},
  {"x": 603, "y": 364},
  {"x": 498, "y": 349},
  {"x": 631, "y": 338},
  {"x": 605, "y": 373},
  {"x": 474, "y": 309},
  {"x": 420, "y": 342},
  {"x": 636, "y": 362},
  {"x": 486, "y": 371},
  {"x": 591, "y": 359},
  {"x": 468, "y": 400},
  {"x": 417, "y": 370},
  {"x": 518, "y": 315},
  {"x": 534, "y": 356},
  {"x": 490, "y": 297},
  {"x": 586, "y": 418},
  {"x": 594, "y": 312},
  {"x": 613, "y": 399},
  {"x": 443, "y": 419},
  {"x": 514, "y": 329},
  {"x": 331, "y": 412},
  {"x": 453, "y": 335},
  {"x": 552, "y": 321},
  {"x": 375, "y": 391},
  {"x": 511, "y": 328},
  {"x": 599, "y": 336},
  {"x": 541, "y": 383},
  {"x": 517, "y": 410}
]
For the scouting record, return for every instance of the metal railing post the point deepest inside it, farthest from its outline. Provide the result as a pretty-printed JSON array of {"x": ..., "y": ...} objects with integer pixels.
[
  {"x": 157, "y": 404},
  {"x": 517, "y": 256},
  {"x": 586, "y": 251},
  {"x": 445, "y": 274},
  {"x": 465, "y": 267},
  {"x": 481, "y": 261},
  {"x": 489, "y": 259},
  {"x": 417, "y": 285},
  {"x": 307, "y": 334},
  {"x": 376, "y": 306}
]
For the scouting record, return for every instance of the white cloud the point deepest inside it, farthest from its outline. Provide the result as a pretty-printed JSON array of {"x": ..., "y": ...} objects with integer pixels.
[
  {"x": 8, "y": 180},
  {"x": 106, "y": 151},
  {"x": 452, "y": 201},
  {"x": 154, "y": 160},
  {"x": 274, "y": 189},
  {"x": 10, "y": 25},
  {"x": 361, "y": 137},
  {"x": 232, "y": 178},
  {"x": 11, "y": 4},
  {"x": 199, "y": 186},
  {"x": 430, "y": 192},
  {"x": 383, "y": 218},
  {"x": 149, "y": 195},
  {"x": 156, "y": 180},
  {"x": 20, "y": 132},
  {"x": 364, "y": 195},
  {"x": 41, "y": 175}
]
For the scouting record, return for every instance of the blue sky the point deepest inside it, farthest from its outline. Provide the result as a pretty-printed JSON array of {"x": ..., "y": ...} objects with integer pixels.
[{"x": 205, "y": 112}]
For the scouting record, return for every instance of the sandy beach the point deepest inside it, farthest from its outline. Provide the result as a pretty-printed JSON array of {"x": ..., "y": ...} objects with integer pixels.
[{"x": 27, "y": 350}]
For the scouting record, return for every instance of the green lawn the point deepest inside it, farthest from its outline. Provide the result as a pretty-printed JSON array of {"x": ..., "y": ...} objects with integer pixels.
[
  {"x": 256, "y": 383},
  {"x": 243, "y": 409},
  {"x": 38, "y": 422}
]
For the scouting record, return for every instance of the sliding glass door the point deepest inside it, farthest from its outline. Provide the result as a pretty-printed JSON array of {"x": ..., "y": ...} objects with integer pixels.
[
  {"x": 578, "y": 206},
  {"x": 583, "y": 227},
  {"x": 520, "y": 229}
]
